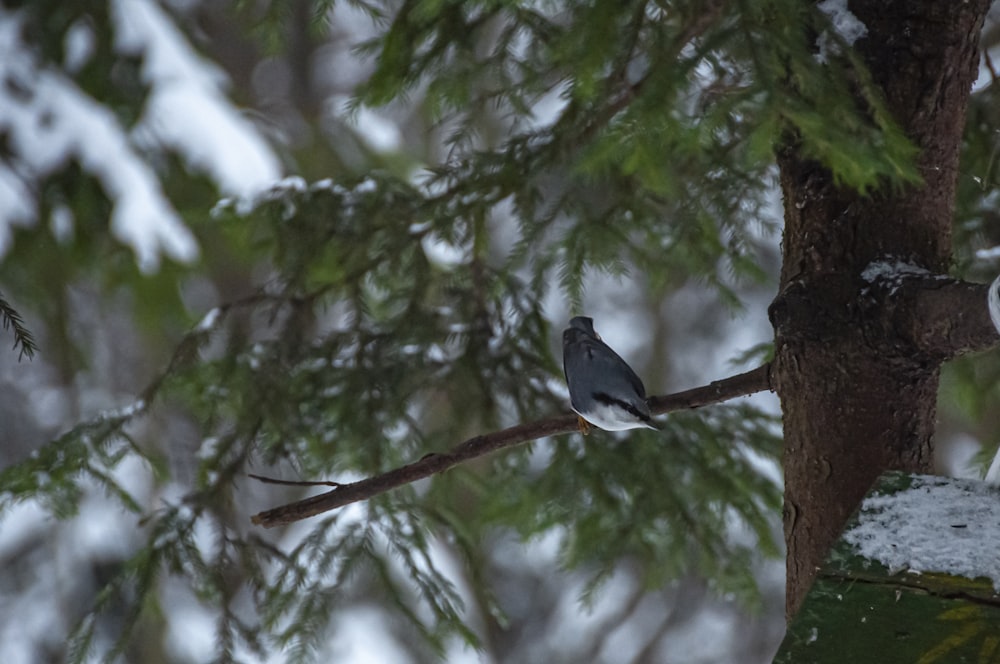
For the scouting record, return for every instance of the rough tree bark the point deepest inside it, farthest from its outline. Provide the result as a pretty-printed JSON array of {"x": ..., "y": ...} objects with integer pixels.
[{"x": 857, "y": 367}]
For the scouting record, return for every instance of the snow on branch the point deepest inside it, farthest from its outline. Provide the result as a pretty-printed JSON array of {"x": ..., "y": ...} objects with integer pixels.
[
  {"x": 938, "y": 525},
  {"x": 845, "y": 25},
  {"x": 50, "y": 122},
  {"x": 940, "y": 316},
  {"x": 186, "y": 110}
]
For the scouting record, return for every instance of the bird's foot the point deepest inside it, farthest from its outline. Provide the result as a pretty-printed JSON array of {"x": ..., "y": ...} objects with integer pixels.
[{"x": 584, "y": 425}]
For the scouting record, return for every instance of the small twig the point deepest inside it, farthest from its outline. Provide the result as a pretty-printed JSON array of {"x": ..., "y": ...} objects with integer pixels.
[
  {"x": 751, "y": 382},
  {"x": 272, "y": 480}
]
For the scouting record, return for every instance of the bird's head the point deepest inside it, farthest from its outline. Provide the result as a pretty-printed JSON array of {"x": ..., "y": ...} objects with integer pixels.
[
  {"x": 584, "y": 324},
  {"x": 580, "y": 327}
]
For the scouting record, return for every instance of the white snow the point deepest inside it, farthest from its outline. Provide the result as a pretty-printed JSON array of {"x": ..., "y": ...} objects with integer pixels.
[
  {"x": 17, "y": 204},
  {"x": 939, "y": 524},
  {"x": 891, "y": 272},
  {"x": 51, "y": 122},
  {"x": 366, "y": 186},
  {"x": 444, "y": 254},
  {"x": 988, "y": 254},
  {"x": 354, "y": 642},
  {"x": 61, "y": 223},
  {"x": 993, "y": 473},
  {"x": 374, "y": 128},
  {"x": 49, "y": 406},
  {"x": 844, "y": 23},
  {"x": 78, "y": 45},
  {"x": 209, "y": 321},
  {"x": 32, "y": 540},
  {"x": 137, "y": 407},
  {"x": 547, "y": 108},
  {"x": 190, "y": 625},
  {"x": 186, "y": 110},
  {"x": 891, "y": 269}
]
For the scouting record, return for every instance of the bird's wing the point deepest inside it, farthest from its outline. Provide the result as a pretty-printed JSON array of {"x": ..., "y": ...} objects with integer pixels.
[
  {"x": 600, "y": 360},
  {"x": 640, "y": 411},
  {"x": 630, "y": 376}
]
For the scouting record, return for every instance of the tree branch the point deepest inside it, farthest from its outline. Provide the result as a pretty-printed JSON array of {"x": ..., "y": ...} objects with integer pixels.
[
  {"x": 942, "y": 317},
  {"x": 744, "y": 384}
]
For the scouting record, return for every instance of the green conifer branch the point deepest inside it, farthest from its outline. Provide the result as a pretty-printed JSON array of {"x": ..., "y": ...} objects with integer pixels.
[{"x": 22, "y": 335}]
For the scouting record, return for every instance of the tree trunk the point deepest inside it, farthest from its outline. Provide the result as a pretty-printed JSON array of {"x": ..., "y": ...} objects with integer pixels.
[{"x": 858, "y": 390}]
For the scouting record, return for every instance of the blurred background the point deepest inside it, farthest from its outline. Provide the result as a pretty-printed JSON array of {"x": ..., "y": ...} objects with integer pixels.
[{"x": 123, "y": 125}]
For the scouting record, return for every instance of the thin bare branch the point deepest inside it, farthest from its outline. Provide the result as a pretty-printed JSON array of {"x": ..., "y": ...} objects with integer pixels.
[
  {"x": 274, "y": 480},
  {"x": 750, "y": 382}
]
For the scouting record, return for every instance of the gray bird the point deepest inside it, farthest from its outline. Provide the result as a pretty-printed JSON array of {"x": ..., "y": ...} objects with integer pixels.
[{"x": 603, "y": 389}]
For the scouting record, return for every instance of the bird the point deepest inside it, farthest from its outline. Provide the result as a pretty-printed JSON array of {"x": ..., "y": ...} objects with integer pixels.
[{"x": 603, "y": 389}]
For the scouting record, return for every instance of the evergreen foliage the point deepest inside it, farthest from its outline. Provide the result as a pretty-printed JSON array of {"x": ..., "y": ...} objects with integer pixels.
[
  {"x": 393, "y": 315},
  {"x": 24, "y": 342}
]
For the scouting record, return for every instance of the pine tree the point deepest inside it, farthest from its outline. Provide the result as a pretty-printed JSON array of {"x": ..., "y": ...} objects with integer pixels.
[{"x": 376, "y": 326}]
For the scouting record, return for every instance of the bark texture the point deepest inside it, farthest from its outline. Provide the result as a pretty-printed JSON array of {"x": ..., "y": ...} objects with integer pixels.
[{"x": 856, "y": 374}]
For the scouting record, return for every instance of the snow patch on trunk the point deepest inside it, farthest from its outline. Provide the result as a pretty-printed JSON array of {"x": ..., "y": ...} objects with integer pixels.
[{"x": 939, "y": 524}]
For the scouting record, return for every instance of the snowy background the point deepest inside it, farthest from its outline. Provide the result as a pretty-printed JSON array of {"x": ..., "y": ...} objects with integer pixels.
[{"x": 240, "y": 120}]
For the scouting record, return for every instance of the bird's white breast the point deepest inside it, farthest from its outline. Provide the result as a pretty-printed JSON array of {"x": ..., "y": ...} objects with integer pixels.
[{"x": 610, "y": 418}]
